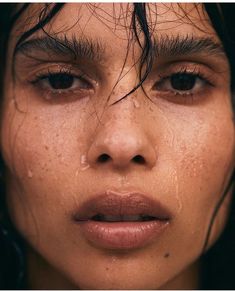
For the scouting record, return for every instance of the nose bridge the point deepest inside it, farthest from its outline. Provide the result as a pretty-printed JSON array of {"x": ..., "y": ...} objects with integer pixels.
[
  {"x": 121, "y": 140},
  {"x": 126, "y": 79}
]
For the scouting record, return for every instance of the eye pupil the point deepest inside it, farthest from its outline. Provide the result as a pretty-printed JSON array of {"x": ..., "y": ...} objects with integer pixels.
[
  {"x": 61, "y": 81},
  {"x": 183, "y": 81}
]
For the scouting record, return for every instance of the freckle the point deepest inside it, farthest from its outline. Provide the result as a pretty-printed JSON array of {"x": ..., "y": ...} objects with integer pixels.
[
  {"x": 107, "y": 269},
  {"x": 46, "y": 147},
  {"x": 166, "y": 255}
]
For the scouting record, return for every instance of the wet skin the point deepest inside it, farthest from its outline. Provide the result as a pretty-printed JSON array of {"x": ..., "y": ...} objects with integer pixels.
[{"x": 53, "y": 140}]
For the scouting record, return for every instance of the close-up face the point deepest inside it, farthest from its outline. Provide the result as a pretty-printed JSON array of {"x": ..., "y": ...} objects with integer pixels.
[{"x": 112, "y": 190}]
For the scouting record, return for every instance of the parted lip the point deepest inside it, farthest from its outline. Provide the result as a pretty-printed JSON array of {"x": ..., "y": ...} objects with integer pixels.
[{"x": 114, "y": 203}]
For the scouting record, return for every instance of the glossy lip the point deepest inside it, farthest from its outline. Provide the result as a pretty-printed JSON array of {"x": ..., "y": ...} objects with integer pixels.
[{"x": 121, "y": 235}]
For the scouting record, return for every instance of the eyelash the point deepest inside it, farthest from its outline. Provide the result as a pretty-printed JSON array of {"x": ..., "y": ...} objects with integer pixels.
[
  {"x": 65, "y": 72},
  {"x": 41, "y": 80},
  {"x": 195, "y": 72}
]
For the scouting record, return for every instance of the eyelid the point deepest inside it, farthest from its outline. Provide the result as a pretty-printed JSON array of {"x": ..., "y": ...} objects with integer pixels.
[
  {"x": 191, "y": 68},
  {"x": 60, "y": 69},
  {"x": 207, "y": 77},
  {"x": 40, "y": 84}
]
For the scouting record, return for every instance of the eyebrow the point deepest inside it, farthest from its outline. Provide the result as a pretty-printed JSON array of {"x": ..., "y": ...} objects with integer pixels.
[
  {"x": 173, "y": 46},
  {"x": 63, "y": 46},
  {"x": 94, "y": 50}
]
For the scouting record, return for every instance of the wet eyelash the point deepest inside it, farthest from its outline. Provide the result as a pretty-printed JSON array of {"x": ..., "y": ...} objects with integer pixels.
[
  {"x": 45, "y": 75},
  {"x": 203, "y": 76},
  {"x": 196, "y": 72}
]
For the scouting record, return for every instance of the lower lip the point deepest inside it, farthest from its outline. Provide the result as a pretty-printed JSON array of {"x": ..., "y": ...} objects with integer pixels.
[{"x": 122, "y": 235}]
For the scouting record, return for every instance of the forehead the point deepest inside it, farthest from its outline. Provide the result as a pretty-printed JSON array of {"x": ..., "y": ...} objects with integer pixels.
[{"x": 116, "y": 19}]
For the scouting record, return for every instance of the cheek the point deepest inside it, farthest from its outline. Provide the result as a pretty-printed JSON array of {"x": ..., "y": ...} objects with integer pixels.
[
  {"x": 204, "y": 158},
  {"x": 38, "y": 147},
  {"x": 42, "y": 136}
]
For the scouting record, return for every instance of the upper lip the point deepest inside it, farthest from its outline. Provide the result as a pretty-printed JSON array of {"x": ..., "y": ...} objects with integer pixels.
[{"x": 114, "y": 203}]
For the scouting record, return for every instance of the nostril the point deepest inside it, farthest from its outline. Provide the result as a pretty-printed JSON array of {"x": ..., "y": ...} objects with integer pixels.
[
  {"x": 138, "y": 159},
  {"x": 103, "y": 158}
]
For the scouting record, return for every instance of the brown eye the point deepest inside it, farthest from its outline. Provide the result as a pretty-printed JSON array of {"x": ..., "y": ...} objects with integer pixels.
[
  {"x": 61, "y": 81},
  {"x": 183, "y": 81}
]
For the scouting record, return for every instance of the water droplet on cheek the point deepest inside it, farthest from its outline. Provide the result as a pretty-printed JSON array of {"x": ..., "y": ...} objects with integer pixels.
[
  {"x": 113, "y": 259},
  {"x": 85, "y": 168},
  {"x": 83, "y": 159},
  {"x": 47, "y": 96},
  {"x": 30, "y": 174},
  {"x": 136, "y": 103},
  {"x": 194, "y": 172},
  {"x": 84, "y": 163}
]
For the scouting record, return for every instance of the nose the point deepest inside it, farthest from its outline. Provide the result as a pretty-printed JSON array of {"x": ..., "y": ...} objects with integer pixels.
[{"x": 121, "y": 144}]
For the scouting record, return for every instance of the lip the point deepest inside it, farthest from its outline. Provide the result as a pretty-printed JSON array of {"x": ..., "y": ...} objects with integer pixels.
[{"x": 121, "y": 235}]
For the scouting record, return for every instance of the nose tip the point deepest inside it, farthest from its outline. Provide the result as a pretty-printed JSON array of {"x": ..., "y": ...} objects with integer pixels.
[{"x": 122, "y": 150}]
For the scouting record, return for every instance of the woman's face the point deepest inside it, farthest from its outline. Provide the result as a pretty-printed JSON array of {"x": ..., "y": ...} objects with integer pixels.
[{"x": 110, "y": 193}]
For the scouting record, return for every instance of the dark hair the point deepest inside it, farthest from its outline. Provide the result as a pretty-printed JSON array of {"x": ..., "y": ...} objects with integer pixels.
[{"x": 219, "y": 262}]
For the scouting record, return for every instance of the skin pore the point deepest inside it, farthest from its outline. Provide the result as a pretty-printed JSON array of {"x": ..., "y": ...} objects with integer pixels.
[{"x": 54, "y": 137}]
